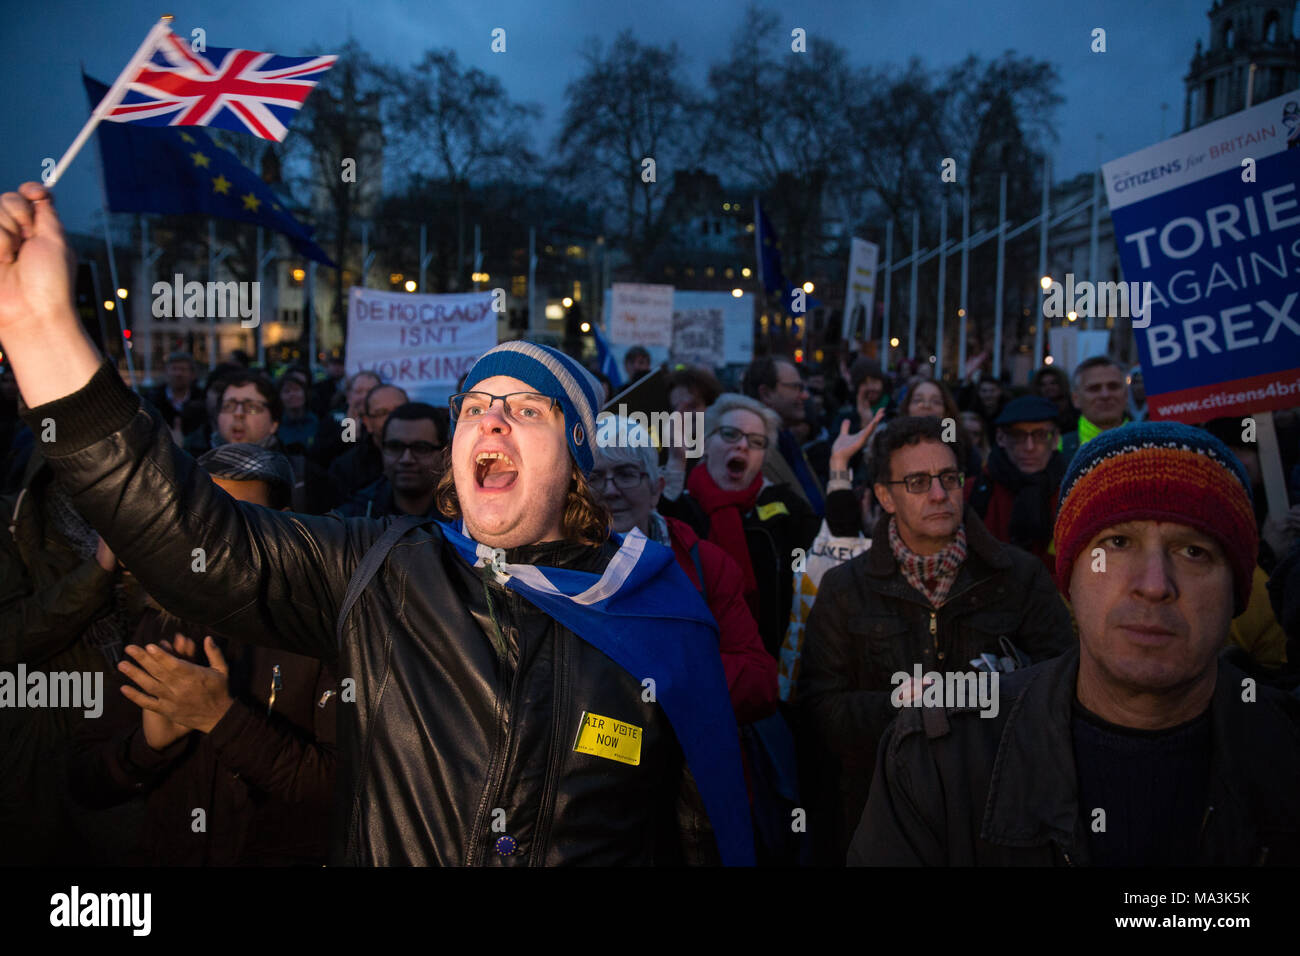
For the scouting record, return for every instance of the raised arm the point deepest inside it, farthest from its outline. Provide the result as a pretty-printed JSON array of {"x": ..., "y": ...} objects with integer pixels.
[{"x": 265, "y": 577}]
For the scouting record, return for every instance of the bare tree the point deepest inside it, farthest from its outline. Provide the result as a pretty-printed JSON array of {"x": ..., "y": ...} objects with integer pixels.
[
  {"x": 629, "y": 105},
  {"x": 780, "y": 120},
  {"x": 345, "y": 119},
  {"x": 459, "y": 125}
]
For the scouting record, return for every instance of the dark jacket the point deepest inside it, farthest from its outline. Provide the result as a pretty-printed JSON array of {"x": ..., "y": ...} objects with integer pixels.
[
  {"x": 868, "y": 623},
  {"x": 375, "y": 500},
  {"x": 264, "y": 778},
  {"x": 467, "y": 698},
  {"x": 779, "y": 522},
  {"x": 957, "y": 789},
  {"x": 54, "y": 605},
  {"x": 361, "y": 465},
  {"x": 175, "y": 414}
]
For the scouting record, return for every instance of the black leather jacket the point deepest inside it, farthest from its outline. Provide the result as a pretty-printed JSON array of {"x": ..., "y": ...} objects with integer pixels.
[{"x": 459, "y": 704}]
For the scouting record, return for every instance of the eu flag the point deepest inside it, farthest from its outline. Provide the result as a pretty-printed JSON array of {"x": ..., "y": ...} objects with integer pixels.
[
  {"x": 180, "y": 170},
  {"x": 770, "y": 272}
]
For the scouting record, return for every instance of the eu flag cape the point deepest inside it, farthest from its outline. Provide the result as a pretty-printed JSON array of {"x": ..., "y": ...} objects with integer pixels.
[{"x": 646, "y": 616}]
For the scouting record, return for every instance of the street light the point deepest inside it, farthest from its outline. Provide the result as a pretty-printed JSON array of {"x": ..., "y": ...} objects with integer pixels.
[
  {"x": 121, "y": 293},
  {"x": 299, "y": 275},
  {"x": 586, "y": 326},
  {"x": 808, "y": 287},
  {"x": 568, "y": 302},
  {"x": 1072, "y": 316},
  {"x": 893, "y": 343},
  {"x": 1045, "y": 282},
  {"x": 737, "y": 293},
  {"x": 746, "y": 272},
  {"x": 411, "y": 285},
  {"x": 1047, "y": 360},
  {"x": 108, "y": 304}
]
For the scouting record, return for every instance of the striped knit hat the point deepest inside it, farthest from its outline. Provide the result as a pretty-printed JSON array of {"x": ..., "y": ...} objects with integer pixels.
[
  {"x": 552, "y": 373},
  {"x": 1158, "y": 471}
]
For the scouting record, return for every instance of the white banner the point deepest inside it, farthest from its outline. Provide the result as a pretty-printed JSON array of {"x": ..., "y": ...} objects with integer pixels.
[
  {"x": 641, "y": 314},
  {"x": 1071, "y": 345},
  {"x": 860, "y": 289},
  {"x": 421, "y": 343},
  {"x": 697, "y": 336},
  {"x": 737, "y": 323}
]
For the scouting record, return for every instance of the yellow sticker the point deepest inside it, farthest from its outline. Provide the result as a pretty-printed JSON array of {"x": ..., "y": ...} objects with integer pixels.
[
  {"x": 609, "y": 738},
  {"x": 772, "y": 509}
]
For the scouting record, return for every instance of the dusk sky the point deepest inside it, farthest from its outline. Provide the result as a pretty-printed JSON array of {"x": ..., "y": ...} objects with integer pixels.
[{"x": 1118, "y": 93}]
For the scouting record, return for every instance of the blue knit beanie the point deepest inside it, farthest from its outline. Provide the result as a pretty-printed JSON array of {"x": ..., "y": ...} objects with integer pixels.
[{"x": 552, "y": 373}]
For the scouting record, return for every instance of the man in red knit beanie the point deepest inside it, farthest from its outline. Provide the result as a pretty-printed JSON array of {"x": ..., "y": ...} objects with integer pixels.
[{"x": 1141, "y": 747}]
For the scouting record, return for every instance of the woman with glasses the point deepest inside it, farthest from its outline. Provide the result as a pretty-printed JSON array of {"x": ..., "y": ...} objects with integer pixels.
[
  {"x": 759, "y": 524},
  {"x": 628, "y": 479}
]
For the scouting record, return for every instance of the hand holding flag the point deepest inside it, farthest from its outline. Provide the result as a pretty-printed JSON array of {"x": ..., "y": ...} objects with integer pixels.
[{"x": 165, "y": 83}]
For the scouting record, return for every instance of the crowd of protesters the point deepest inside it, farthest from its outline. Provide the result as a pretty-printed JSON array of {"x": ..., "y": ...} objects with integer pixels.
[{"x": 319, "y": 590}]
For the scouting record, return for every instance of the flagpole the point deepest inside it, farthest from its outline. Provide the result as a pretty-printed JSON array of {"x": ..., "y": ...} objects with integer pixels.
[
  {"x": 117, "y": 304},
  {"x": 889, "y": 272},
  {"x": 965, "y": 275},
  {"x": 911, "y": 306},
  {"x": 113, "y": 97}
]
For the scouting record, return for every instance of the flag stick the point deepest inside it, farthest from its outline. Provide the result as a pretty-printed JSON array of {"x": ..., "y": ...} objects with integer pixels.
[{"x": 113, "y": 97}]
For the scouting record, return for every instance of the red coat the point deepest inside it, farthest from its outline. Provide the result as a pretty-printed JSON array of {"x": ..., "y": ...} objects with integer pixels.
[{"x": 750, "y": 669}]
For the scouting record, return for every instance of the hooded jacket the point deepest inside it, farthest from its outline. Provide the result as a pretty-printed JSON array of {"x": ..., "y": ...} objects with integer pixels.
[
  {"x": 460, "y": 702},
  {"x": 957, "y": 789}
]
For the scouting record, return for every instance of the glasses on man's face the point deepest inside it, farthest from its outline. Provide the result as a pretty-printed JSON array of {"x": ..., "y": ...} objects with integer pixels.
[
  {"x": 1039, "y": 436},
  {"x": 521, "y": 408},
  {"x": 624, "y": 477},
  {"x": 248, "y": 406},
  {"x": 797, "y": 385},
  {"x": 420, "y": 449},
  {"x": 732, "y": 436},
  {"x": 919, "y": 483}
]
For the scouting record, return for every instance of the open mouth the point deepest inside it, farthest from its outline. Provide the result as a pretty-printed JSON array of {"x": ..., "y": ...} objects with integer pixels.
[
  {"x": 736, "y": 467},
  {"x": 495, "y": 471}
]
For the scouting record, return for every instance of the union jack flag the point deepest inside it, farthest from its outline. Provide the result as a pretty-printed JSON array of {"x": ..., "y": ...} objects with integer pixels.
[{"x": 240, "y": 90}]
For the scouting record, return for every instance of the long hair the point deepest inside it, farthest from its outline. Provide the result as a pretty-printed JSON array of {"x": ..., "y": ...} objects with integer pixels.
[{"x": 585, "y": 520}]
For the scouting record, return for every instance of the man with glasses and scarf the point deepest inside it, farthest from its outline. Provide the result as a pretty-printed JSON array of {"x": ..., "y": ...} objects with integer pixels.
[
  {"x": 1016, "y": 496},
  {"x": 935, "y": 590}
]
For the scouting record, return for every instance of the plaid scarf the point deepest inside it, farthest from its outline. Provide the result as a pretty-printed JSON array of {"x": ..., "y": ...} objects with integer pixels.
[{"x": 931, "y": 574}]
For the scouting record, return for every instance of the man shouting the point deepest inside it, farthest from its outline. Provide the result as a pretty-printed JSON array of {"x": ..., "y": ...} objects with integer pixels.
[{"x": 516, "y": 688}]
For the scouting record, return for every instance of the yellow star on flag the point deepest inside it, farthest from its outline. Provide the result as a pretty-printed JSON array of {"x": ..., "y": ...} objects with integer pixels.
[
  {"x": 200, "y": 159},
  {"x": 188, "y": 138},
  {"x": 251, "y": 202},
  {"x": 221, "y": 184}
]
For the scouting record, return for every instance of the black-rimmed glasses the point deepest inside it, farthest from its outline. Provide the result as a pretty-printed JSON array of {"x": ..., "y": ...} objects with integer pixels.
[
  {"x": 522, "y": 408},
  {"x": 624, "y": 477},
  {"x": 919, "y": 483}
]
